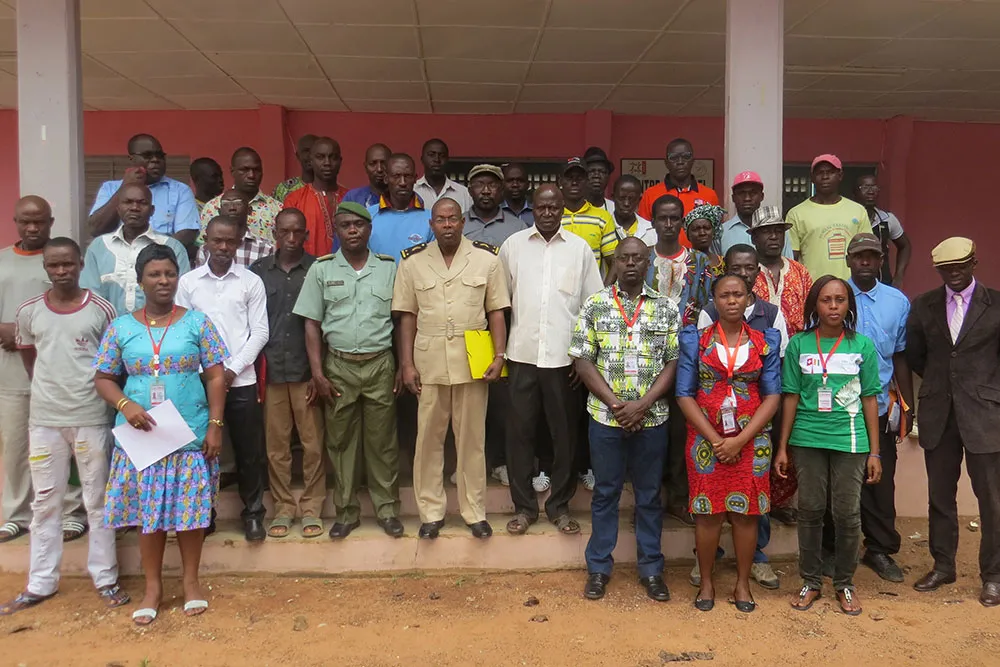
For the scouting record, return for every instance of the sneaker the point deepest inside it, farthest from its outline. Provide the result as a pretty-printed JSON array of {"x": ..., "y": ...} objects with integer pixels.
[
  {"x": 500, "y": 474},
  {"x": 764, "y": 575},
  {"x": 588, "y": 479},
  {"x": 541, "y": 483},
  {"x": 695, "y": 576}
]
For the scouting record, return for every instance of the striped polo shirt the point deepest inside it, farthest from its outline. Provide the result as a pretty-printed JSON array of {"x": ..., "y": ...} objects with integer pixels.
[{"x": 595, "y": 226}]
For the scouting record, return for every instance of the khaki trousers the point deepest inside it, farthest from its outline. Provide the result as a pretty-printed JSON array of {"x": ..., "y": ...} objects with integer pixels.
[
  {"x": 464, "y": 405},
  {"x": 285, "y": 407},
  {"x": 361, "y": 434}
]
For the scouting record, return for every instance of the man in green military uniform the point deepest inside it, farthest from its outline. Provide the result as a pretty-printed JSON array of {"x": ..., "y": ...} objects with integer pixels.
[{"x": 347, "y": 302}]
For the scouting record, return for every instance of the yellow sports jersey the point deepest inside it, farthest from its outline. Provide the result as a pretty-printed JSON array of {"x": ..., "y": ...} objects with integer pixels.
[{"x": 595, "y": 226}]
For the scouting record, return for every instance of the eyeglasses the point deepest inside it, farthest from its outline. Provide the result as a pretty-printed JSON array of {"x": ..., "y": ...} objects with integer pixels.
[
  {"x": 149, "y": 155},
  {"x": 680, "y": 157}
]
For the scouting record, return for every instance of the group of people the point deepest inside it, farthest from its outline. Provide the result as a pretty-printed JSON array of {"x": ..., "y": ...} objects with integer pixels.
[{"x": 644, "y": 338}]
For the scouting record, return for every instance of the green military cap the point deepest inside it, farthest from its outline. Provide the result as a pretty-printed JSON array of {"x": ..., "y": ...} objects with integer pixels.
[{"x": 354, "y": 209}]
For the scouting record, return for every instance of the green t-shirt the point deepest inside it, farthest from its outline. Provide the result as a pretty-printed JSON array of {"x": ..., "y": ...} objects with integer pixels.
[{"x": 852, "y": 373}]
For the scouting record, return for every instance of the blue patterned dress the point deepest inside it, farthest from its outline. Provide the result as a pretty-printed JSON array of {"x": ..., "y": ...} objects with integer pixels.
[{"x": 177, "y": 492}]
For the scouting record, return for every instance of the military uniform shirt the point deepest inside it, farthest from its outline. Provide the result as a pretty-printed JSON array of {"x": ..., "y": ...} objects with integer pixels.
[
  {"x": 354, "y": 308},
  {"x": 448, "y": 301}
]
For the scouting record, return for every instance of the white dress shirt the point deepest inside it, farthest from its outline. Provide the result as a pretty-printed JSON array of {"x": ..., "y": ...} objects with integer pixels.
[
  {"x": 236, "y": 302},
  {"x": 549, "y": 282},
  {"x": 452, "y": 189}
]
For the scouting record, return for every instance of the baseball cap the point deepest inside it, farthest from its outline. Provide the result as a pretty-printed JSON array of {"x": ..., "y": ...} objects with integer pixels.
[
  {"x": 767, "y": 216},
  {"x": 486, "y": 169},
  {"x": 573, "y": 163},
  {"x": 354, "y": 209},
  {"x": 863, "y": 243},
  {"x": 953, "y": 250},
  {"x": 597, "y": 154},
  {"x": 827, "y": 157},
  {"x": 748, "y": 177}
]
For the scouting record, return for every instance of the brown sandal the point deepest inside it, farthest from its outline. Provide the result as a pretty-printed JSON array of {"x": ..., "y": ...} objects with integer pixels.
[
  {"x": 845, "y": 598},
  {"x": 567, "y": 525},
  {"x": 519, "y": 524},
  {"x": 114, "y": 596},
  {"x": 23, "y": 601}
]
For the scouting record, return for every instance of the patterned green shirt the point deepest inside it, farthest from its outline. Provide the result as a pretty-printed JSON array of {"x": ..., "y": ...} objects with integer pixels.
[
  {"x": 601, "y": 336},
  {"x": 282, "y": 189}
]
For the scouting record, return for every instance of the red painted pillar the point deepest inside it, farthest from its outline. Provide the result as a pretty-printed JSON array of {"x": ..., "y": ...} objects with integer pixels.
[
  {"x": 597, "y": 130},
  {"x": 272, "y": 144},
  {"x": 895, "y": 165}
]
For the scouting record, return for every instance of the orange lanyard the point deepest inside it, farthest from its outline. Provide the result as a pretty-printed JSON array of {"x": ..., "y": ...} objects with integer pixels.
[
  {"x": 819, "y": 352},
  {"x": 629, "y": 323},
  {"x": 730, "y": 356},
  {"x": 157, "y": 346}
]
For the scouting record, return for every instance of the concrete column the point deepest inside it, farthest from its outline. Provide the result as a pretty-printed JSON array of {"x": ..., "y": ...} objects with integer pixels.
[
  {"x": 755, "y": 56},
  {"x": 50, "y": 108}
]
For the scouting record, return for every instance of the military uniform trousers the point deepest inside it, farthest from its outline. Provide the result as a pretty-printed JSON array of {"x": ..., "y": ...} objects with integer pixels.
[
  {"x": 464, "y": 405},
  {"x": 361, "y": 432},
  {"x": 285, "y": 408}
]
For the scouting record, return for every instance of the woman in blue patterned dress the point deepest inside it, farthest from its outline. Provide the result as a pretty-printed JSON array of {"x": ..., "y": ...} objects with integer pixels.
[{"x": 159, "y": 351}]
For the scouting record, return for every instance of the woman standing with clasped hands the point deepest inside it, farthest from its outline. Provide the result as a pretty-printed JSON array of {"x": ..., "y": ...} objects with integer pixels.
[
  {"x": 159, "y": 350},
  {"x": 830, "y": 419},
  {"x": 729, "y": 387}
]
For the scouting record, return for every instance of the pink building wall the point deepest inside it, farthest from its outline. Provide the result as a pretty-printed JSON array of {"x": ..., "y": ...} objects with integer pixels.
[{"x": 935, "y": 175}]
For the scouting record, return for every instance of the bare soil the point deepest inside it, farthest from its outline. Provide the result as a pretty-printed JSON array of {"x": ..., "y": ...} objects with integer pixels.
[{"x": 483, "y": 619}]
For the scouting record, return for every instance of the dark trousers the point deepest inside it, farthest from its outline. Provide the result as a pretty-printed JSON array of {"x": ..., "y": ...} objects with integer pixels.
[
  {"x": 823, "y": 475},
  {"x": 878, "y": 501},
  {"x": 615, "y": 454},
  {"x": 244, "y": 418},
  {"x": 675, "y": 475},
  {"x": 497, "y": 413},
  {"x": 944, "y": 467},
  {"x": 541, "y": 395}
]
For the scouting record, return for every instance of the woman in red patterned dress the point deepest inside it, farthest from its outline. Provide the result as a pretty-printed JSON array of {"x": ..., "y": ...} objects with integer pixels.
[{"x": 729, "y": 387}]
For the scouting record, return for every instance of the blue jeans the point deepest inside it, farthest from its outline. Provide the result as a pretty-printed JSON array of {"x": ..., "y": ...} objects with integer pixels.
[
  {"x": 613, "y": 454},
  {"x": 763, "y": 538}
]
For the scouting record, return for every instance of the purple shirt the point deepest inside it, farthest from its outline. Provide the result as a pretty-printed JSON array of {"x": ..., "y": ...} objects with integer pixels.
[{"x": 950, "y": 304}]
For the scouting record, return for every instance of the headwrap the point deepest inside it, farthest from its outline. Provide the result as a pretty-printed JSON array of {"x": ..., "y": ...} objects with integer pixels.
[{"x": 714, "y": 214}]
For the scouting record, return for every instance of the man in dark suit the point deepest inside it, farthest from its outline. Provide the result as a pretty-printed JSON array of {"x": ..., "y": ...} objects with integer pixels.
[{"x": 953, "y": 343}]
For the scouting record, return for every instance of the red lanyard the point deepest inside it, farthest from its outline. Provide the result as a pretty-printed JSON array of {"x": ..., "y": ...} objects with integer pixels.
[
  {"x": 629, "y": 322},
  {"x": 157, "y": 346},
  {"x": 819, "y": 352},
  {"x": 730, "y": 357}
]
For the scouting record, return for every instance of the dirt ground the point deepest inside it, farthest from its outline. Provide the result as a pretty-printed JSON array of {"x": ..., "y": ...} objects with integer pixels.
[{"x": 482, "y": 619}]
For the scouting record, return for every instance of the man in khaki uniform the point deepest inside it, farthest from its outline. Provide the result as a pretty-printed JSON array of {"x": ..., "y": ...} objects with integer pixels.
[
  {"x": 443, "y": 289},
  {"x": 346, "y": 299}
]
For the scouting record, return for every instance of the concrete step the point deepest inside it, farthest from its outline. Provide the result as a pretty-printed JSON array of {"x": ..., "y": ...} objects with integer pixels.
[
  {"x": 369, "y": 550},
  {"x": 498, "y": 501}
]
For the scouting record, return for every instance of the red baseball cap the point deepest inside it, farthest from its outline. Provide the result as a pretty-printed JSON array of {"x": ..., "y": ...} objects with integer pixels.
[
  {"x": 827, "y": 157},
  {"x": 748, "y": 177}
]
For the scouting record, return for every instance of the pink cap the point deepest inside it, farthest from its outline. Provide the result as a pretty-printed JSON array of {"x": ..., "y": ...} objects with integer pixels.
[
  {"x": 748, "y": 177},
  {"x": 827, "y": 157}
]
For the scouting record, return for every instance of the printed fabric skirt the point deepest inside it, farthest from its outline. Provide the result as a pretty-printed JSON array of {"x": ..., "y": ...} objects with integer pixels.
[
  {"x": 742, "y": 488},
  {"x": 176, "y": 493}
]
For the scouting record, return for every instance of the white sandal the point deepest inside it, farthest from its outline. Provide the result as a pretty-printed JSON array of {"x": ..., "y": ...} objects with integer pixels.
[
  {"x": 198, "y": 606},
  {"x": 148, "y": 612}
]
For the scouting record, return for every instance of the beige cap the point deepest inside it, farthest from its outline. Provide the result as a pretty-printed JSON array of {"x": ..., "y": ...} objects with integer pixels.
[
  {"x": 953, "y": 251},
  {"x": 486, "y": 169}
]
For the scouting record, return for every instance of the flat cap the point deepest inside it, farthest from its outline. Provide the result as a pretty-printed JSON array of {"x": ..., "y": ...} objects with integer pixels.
[
  {"x": 864, "y": 242},
  {"x": 354, "y": 209},
  {"x": 490, "y": 169},
  {"x": 953, "y": 250},
  {"x": 767, "y": 216}
]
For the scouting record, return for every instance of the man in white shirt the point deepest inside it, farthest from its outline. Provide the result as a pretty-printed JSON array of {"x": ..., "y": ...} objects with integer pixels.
[
  {"x": 235, "y": 300},
  {"x": 435, "y": 184},
  {"x": 551, "y": 272}
]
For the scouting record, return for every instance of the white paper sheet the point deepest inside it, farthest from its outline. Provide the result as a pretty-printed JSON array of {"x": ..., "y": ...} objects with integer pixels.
[{"x": 144, "y": 448}]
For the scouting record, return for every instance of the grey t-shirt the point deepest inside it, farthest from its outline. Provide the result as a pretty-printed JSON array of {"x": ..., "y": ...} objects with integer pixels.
[
  {"x": 21, "y": 278},
  {"x": 62, "y": 387}
]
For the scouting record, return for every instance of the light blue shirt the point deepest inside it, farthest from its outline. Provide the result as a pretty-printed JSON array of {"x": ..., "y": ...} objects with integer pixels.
[
  {"x": 882, "y": 314},
  {"x": 109, "y": 267},
  {"x": 394, "y": 231},
  {"x": 733, "y": 231},
  {"x": 174, "y": 208}
]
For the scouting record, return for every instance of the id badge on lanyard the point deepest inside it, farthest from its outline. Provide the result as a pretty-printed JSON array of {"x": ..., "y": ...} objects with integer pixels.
[
  {"x": 824, "y": 399},
  {"x": 824, "y": 395},
  {"x": 728, "y": 411},
  {"x": 157, "y": 390},
  {"x": 157, "y": 393},
  {"x": 729, "y": 426},
  {"x": 631, "y": 356}
]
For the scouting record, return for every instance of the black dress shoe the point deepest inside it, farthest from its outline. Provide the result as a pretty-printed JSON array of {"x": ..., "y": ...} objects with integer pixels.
[
  {"x": 481, "y": 529},
  {"x": 703, "y": 604},
  {"x": 254, "y": 531},
  {"x": 990, "y": 595},
  {"x": 430, "y": 530},
  {"x": 884, "y": 566},
  {"x": 392, "y": 526},
  {"x": 596, "y": 583},
  {"x": 341, "y": 530},
  {"x": 932, "y": 581},
  {"x": 655, "y": 588}
]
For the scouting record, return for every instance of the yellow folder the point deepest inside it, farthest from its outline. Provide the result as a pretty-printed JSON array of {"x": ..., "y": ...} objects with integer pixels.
[{"x": 479, "y": 347}]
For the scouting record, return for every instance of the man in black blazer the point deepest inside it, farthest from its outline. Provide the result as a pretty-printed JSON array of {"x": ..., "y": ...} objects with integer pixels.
[{"x": 953, "y": 343}]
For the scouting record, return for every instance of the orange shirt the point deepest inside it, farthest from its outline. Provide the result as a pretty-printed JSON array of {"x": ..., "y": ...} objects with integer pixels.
[
  {"x": 693, "y": 195},
  {"x": 319, "y": 211}
]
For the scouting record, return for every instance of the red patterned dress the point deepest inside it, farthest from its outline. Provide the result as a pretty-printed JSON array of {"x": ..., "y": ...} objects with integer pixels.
[{"x": 742, "y": 487}]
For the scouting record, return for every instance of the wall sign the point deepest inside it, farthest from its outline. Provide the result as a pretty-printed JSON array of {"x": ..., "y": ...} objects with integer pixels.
[{"x": 653, "y": 171}]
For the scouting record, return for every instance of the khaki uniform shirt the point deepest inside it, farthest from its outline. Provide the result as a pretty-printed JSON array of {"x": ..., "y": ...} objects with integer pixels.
[
  {"x": 448, "y": 301},
  {"x": 354, "y": 308}
]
